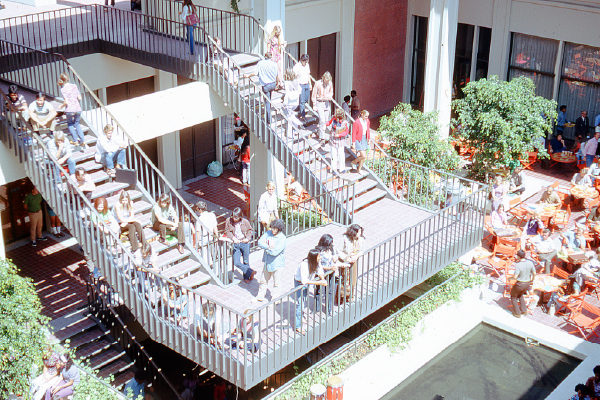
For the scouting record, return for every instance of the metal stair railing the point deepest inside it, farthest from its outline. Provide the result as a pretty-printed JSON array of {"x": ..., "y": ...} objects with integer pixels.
[
  {"x": 144, "y": 291},
  {"x": 119, "y": 31},
  {"x": 43, "y": 69}
]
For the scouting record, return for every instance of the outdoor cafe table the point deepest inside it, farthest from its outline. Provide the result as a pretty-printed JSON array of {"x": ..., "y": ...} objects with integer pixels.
[
  {"x": 545, "y": 211},
  {"x": 563, "y": 158},
  {"x": 584, "y": 192},
  {"x": 542, "y": 283}
]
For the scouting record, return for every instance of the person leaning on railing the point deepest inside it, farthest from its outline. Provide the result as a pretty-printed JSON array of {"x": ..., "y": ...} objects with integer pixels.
[
  {"x": 354, "y": 243},
  {"x": 309, "y": 272},
  {"x": 205, "y": 236},
  {"x": 329, "y": 261},
  {"x": 18, "y": 101}
]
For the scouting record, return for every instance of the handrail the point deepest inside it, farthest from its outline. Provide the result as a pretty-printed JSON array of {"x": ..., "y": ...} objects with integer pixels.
[
  {"x": 97, "y": 294},
  {"x": 142, "y": 162}
]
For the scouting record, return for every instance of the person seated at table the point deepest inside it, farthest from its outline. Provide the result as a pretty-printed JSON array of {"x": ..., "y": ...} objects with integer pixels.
[
  {"x": 593, "y": 383},
  {"x": 550, "y": 197},
  {"x": 573, "y": 241},
  {"x": 499, "y": 218},
  {"x": 557, "y": 145},
  {"x": 593, "y": 220},
  {"x": 516, "y": 181},
  {"x": 577, "y": 145},
  {"x": 545, "y": 249},
  {"x": 533, "y": 227},
  {"x": 587, "y": 272},
  {"x": 582, "y": 178}
]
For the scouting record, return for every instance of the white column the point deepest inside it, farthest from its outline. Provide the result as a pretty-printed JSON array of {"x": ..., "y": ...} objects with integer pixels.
[
  {"x": 345, "y": 51},
  {"x": 500, "y": 43},
  {"x": 439, "y": 64},
  {"x": 102, "y": 95},
  {"x": 168, "y": 147}
]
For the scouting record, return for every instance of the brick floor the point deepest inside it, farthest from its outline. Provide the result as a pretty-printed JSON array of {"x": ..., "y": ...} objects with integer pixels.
[
  {"x": 56, "y": 272},
  {"x": 225, "y": 190},
  {"x": 562, "y": 174}
]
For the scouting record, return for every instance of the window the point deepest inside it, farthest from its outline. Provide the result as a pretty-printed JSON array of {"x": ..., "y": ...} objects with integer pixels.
[
  {"x": 483, "y": 53},
  {"x": 417, "y": 81},
  {"x": 462, "y": 58},
  {"x": 535, "y": 58},
  {"x": 580, "y": 82}
]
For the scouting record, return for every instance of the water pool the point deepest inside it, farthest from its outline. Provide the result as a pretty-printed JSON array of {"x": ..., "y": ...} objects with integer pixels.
[{"x": 488, "y": 363}]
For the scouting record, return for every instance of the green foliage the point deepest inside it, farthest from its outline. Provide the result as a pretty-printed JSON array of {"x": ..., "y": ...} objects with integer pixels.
[
  {"x": 397, "y": 332},
  {"x": 234, "y": 6},
  {"x": 300, "y": 220},
  {"x": 22, "y": 329},
  {"x": 503, "y": 121},
  {"x": 90, "y": 387},
  {"x": 415, "y": 136}
]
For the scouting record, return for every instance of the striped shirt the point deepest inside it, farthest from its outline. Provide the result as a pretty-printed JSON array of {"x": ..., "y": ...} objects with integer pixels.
[{"x": 339, "y": 131}]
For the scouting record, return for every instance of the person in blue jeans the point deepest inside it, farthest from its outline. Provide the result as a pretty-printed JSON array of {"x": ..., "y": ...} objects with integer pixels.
[
  {"x": 62, "y": 150},
  {"x": 302, "y": 70},
  {"x": 239, "y": 231},
  {"x": 187, "y": 14},
  {"x": 308, "y": 273},
  {"x": 267, "y": 71},
  {"x": 111, "y": 149}
]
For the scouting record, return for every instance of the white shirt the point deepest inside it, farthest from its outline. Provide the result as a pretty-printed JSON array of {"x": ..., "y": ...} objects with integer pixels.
[
  {"x": 209, "y": 220},
  {"x": 302, "y": 73},
  {"x": 109, "y": 146},
  {"x": 267, "y": 203},
  {"x": 302, "y": 273}
]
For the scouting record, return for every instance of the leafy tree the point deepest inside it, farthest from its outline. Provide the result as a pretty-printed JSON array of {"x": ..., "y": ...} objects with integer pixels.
[
  {"x": 22, "y": 330},
  {"x": 415, "y": 136},
  {"x": 502, "y": 121}
]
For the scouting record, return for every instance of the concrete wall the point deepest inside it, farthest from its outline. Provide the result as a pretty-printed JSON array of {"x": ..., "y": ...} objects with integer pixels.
[
  {"x": 101, "y": 70},
  {"x": 10, "y": 167}
]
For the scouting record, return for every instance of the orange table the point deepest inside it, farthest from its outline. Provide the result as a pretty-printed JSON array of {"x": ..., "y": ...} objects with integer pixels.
[
  {"x": 563, "y": 158},
  {"x": 584, "y": 192},
  {"x": 546, "y": 212}
]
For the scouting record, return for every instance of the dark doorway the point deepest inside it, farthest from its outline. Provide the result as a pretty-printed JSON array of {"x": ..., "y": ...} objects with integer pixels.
[
  {"x": 197, "y": 145},
  {"x": 322, "y": 55},
  {"x": 15, "y": 219}
]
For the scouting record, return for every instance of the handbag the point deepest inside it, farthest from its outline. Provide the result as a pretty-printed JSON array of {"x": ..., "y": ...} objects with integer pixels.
[{"x": 192, "y": 19}]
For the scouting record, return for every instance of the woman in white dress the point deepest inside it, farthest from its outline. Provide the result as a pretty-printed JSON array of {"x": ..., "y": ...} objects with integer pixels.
[{"x": 291, "y": 101}]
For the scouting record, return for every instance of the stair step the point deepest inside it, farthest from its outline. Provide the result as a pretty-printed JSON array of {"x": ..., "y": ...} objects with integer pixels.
[
  {"x": 92, "y": 349},
  {"x": 74, "y": 328},
  {"x": 90, "y": 165},
  {"x": 105, "y": 358},
  {"x": 87, "y": 337},
  {"x": 79, "y": 156},
  {"x": 171, "y": 256},
  {"x": 363, "y": 185},
  {"x": 180, "y": 269},
  {"x": 99, "y": 176},
  {"x": 367, "y": 198},
  {"x": 122, "y": 379},
  {"x": 196, "y": 279},
  {"x": 141, "y": 206},
  {"x": 134, "y": 194},
  {"x": 115, "y": 368},
  {"x": 107, "y": 188}
]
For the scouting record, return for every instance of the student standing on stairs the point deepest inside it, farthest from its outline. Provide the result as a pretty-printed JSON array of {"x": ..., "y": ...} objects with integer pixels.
[
  {"x": 110, "y": 150},
  {"x": 165, "y": 218},
  {"x": 291, "y": 101},
  {"x": 72, "y": 97},
  {"x": 302, "y": 71},
  {"x": 321, "y": 98},
  {"x": 267, "y": 71},
  {"x": 239, "y": 231},
  {"x": 339, "y": 131},
  {"x": 190, "y": 18},
  {"x": 361, "y": 136}
]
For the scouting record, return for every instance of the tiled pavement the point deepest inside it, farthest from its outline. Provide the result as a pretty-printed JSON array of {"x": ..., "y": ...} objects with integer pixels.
[
  {"x": 225, "y": 190},
  {"x": 56, "y": 272},
  {"x": 563, "y": 174}
]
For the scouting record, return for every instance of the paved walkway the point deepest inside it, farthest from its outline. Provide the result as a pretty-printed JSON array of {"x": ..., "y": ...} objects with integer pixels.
[{"x": 56, "y": 271}]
